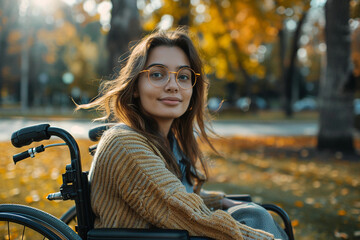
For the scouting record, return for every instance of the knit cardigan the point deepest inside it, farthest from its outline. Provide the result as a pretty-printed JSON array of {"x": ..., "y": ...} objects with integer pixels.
[{"x": 132, "y": 188}]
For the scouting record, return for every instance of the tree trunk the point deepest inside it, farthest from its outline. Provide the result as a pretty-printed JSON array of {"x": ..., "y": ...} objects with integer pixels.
[
  {"x": 185, "y": 19},
  {"x": 290, "y": 69},
  {"x": 125, "y": 27},
  {"x": 282, "y": 51},
  {"x": 3, "y": 45},
  {"x": 336, "y": 104},
  {"x": 8, "y": 20}
]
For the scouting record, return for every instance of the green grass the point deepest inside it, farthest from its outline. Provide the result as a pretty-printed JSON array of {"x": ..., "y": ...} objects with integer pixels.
[{"x": 319, "y": 191}]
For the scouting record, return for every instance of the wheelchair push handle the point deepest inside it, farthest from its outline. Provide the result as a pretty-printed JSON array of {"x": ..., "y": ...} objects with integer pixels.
[
  {"x": 28, "y": 135},
  {"x": 29, "y": 153}
]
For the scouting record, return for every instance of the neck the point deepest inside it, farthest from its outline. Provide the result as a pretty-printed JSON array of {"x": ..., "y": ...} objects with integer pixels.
[{"x": 164, "y": 126}]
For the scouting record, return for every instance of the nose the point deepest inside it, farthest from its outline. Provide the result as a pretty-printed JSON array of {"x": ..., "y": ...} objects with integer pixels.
[{"x": 172, "y": 85}]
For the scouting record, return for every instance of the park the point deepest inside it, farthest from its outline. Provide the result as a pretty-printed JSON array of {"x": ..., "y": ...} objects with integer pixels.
[{"x": 283, "y": 98}]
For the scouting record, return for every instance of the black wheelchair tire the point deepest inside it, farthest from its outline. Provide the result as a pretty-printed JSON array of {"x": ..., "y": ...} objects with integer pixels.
[
  {"x": 42, "y": 217},
  {"x": 31, "y": 223}
]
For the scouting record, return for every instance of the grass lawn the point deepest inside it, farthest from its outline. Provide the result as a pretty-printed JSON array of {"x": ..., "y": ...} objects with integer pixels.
[{"x": 320, "y": 191}]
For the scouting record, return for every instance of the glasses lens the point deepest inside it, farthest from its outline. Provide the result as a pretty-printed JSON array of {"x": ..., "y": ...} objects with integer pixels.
[
  {"x": 186, "y": 78},
  {"x": 158, "y": 75}
]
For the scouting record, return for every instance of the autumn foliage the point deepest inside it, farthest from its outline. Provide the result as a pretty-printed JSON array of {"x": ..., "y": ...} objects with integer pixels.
[{"x": 319, "y": 192}]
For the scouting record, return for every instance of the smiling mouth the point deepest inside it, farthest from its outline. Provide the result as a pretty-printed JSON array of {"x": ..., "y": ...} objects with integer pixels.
[{"x": 170, "y": 101}]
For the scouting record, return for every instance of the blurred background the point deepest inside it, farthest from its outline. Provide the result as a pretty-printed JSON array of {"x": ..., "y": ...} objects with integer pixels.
[
  {"x": 281, "y": 63},
  {"x": 259, "y": 55},
  {"x": 268, "y": 58}
]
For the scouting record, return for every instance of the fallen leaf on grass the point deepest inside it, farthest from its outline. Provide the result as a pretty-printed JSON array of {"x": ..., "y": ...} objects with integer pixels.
[
  {"x": 310, "y": 201},
  {"x": 28, "y": 199},
  {"x": 357, "y": 204},
  {"x": 299, "y": 204},
  {"x": 14, "y": 192},
  {"x": 341, "y": 235},
  {"x": 341, "y": 212},
  {"x": 295, "y": 223},
  {"x": 344, "y": 191}
]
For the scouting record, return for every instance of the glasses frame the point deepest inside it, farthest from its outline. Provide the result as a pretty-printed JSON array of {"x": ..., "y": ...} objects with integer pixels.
[{"x": 176, "y": 76}]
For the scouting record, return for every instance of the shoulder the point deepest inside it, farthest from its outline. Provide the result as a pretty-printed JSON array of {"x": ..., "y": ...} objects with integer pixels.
[
  {"x": 123, "y": 137},
  {"x": 122, "y": 132}
]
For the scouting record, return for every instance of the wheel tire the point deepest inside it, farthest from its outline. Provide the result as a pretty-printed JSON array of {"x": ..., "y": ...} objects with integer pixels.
[
  {"x": 19, "y": 220},
  {"x": 46, "y": 218}
]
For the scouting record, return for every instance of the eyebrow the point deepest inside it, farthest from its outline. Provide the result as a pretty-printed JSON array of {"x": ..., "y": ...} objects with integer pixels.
[{"x": 160, "y": 64}]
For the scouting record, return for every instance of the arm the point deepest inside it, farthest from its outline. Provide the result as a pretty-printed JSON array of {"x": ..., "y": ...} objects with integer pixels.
[
  {"x": 152, "y": 191},
  {"x": 212, "y": 199}
]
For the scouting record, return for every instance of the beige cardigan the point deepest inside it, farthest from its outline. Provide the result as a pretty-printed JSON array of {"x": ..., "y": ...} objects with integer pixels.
[{"x": 132, "y": 188}]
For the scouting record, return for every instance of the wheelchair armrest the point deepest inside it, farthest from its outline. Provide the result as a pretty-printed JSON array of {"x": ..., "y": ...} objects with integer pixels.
[
  {"x": 239, "y": 197},
  {"x": 284, "y": 216},
  {"x": 141, "y": 234}
]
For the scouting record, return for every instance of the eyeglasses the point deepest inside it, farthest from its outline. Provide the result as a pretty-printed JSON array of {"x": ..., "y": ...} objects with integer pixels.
[{"x": 159, "y": 76}]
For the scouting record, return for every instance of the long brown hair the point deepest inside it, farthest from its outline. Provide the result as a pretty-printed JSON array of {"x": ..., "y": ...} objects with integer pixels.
[{"x": 118, "y": 102}]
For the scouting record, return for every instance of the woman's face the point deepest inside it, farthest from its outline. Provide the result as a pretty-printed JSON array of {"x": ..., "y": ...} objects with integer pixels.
[{"x": 167, "y": 102}]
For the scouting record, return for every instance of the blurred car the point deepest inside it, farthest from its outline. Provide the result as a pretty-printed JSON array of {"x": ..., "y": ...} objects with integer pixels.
[
  {"x": 243, "y": 104},
  {"x": 246, "y": 103},
  {"x": 214, "y": 103},
  {"x": 304, "y": 104},
  {"x": 357, "y": 106}
]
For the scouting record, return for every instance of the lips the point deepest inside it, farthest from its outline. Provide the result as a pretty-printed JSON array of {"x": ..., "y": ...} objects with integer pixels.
[{"x": 170, "y": 100}]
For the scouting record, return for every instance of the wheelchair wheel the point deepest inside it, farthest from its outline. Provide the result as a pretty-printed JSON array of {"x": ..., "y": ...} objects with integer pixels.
[
  {"x": 23, "y": 222},
  {"x": 14, "y": 226}
]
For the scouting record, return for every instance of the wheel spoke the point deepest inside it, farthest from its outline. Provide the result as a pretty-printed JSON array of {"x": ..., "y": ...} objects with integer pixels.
[
  {"x": 32, "y": 224},
  {"x": 22, "y": 237},
  {"x": 9, "y": 230}
]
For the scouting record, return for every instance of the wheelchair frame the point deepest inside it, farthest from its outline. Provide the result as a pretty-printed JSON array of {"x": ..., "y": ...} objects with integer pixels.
[{"x": 76, "y": 187}]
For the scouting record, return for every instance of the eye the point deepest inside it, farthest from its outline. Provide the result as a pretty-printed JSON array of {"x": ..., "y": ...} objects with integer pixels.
[
  {"x": 184, "y": 75},
  {"x": 157, "y": 73}
]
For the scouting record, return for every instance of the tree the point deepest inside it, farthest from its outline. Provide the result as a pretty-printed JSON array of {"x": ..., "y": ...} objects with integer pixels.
[
  {"x": 289, "y": 69},
  {"x": 9, "y": 22},
  {"x": 336, "y": 108},
  {"x": 235, "y": 37},
  {"x": 125, "y": 27}
]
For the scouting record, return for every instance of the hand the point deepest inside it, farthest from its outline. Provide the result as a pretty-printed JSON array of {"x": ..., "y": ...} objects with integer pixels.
[{"x": 228, "y": 203}]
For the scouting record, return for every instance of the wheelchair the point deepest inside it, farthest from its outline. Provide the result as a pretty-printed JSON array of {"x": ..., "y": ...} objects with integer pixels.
[{"x": 38, "y": 224}]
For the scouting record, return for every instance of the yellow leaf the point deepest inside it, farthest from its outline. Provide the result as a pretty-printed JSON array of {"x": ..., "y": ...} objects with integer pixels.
[
  {"x": 299, "y": 204},
  {"x": 342, "y": 212},
  {"x": 344, "y": 191},
  {"x": 28, "y": 199},
  {"x": 295, "y": 223}
]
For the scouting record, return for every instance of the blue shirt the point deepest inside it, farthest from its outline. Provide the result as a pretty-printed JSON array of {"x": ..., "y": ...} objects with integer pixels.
[{"x": 181, "y": 160}]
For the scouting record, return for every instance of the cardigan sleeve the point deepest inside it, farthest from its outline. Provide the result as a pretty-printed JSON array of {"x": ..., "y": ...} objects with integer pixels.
[
  {"x": 212, "y": 199},
  {"x": 158, "y": 196}
]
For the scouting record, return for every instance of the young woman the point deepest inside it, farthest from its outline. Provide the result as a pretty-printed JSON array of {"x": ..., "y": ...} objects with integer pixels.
[{"x": 144, "y": 172}]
